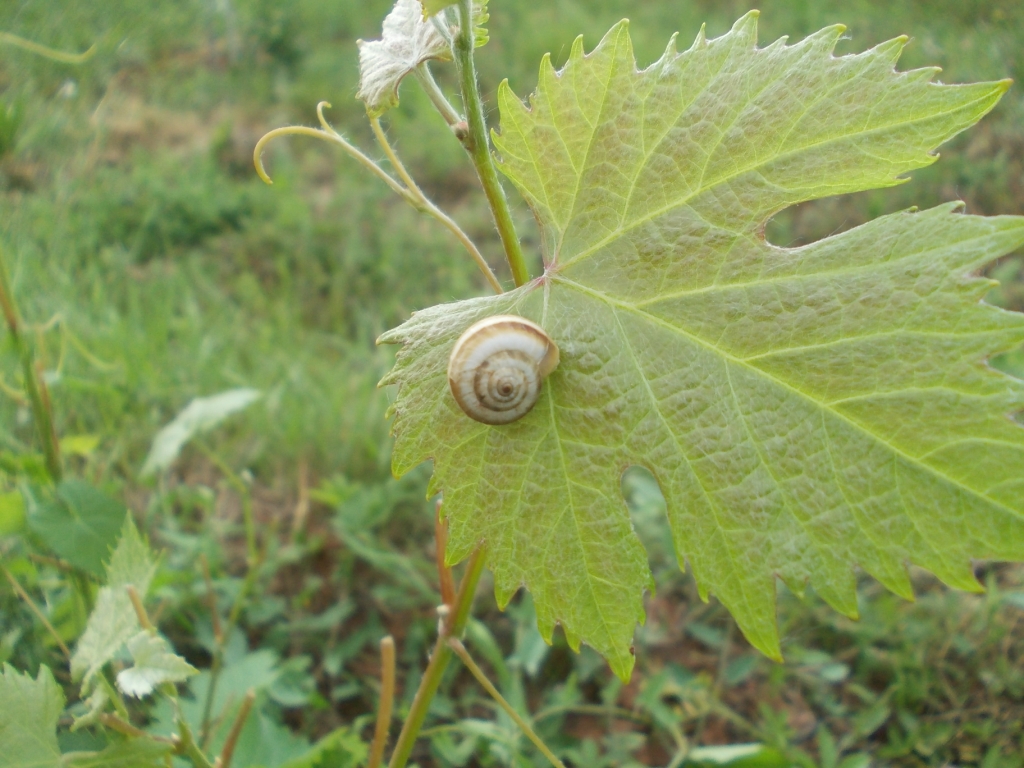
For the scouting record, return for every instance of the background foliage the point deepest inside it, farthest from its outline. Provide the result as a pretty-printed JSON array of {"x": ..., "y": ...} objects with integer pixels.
[{"x": 133, "y": 219}]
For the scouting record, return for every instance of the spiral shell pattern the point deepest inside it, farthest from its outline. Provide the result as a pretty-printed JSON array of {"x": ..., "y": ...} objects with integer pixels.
[{"x": 497, "y": 368}]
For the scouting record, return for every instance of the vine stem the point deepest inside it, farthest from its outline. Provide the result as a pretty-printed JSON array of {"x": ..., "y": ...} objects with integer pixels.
[
  {"x": 460, "y": 650},
  {"x": 479, "y": 148},
  {"x": 411, "y": 193},
  {"x": 35, "y": 387},
  {"x": 49, "y": 53},
  {"x": 452, "y": 624}
]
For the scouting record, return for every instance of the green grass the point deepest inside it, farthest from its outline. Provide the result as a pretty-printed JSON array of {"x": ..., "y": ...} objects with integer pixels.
[{"x": 131, "y": 215}]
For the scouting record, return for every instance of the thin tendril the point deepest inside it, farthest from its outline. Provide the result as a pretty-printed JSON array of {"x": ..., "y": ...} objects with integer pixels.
[
  {"x": 411, "y": 192},
  {"x": 424, "y": 203},
  {"x": 330, "y": 136},
  {"x": 49, "y": 53}
]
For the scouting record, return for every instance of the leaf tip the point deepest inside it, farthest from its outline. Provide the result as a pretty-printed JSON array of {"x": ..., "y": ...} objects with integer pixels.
[
  {"x": 891, "y": 50},
  {"x": 746, "y": 26},
  {"x": 701, "y": 41}
]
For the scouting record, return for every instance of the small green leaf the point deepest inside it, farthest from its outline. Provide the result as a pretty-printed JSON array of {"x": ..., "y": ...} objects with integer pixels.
[
  {"x": 134, "y": 753},
  {"x": 200, "y": 415},
  {"x": 806, "y": 411},
  {"x": 113, "y": 621},
  {"x": 79, "y": 523},
  {"x": 29, "y": 710},
  {"x": 155, "y": 663},
  {"x": 12, "y": 513}
]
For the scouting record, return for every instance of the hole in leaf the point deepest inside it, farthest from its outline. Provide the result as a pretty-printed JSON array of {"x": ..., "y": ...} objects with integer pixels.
[{"x": 648, "y": 512}]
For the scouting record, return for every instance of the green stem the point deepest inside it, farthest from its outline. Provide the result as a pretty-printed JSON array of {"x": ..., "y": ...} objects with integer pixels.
[
  {"x": 451, "y": 626},
  {"x": 426, "y": 79},
  {"x": 188, "y": 746},
  {"x": 479, "y": 149},
  {"x": 34, "y": 387}
]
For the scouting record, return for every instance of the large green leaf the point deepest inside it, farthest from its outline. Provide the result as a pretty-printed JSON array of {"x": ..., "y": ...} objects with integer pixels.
[
  {"x": 806, "y": 411},
  {"x": 29, "y": 710}
]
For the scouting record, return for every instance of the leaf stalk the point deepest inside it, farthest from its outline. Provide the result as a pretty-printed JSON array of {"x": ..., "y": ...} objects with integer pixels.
[{"x": 430, "y": 87}]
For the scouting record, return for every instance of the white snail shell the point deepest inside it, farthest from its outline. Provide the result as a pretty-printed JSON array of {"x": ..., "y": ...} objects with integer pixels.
[{"x": 498, "y": 366}]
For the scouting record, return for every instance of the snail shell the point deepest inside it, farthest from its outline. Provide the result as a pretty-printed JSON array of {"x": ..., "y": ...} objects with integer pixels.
[{"x": 497, "y": 368}]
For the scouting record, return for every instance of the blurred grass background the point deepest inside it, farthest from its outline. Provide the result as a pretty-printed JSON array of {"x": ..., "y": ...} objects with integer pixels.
[{"x": 132, "y": 218}]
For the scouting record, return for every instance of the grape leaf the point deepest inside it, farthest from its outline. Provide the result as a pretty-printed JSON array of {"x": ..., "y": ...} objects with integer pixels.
[
  {"x": 113, "y": 621},
  {"x": 408, "y": 39},
  {"x": 805, "y": 411},
  {"x": 155, "y": 663},
  {"x": 29, "y": 710}
]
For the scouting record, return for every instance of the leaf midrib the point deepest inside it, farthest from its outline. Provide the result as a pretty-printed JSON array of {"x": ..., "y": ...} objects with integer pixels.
[{"x": 784, "y": 385}]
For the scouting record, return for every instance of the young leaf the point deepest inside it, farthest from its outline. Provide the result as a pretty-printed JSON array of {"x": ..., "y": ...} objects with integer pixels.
[
  {"x": 805, "y": 411},
  {"x": 409, "y": 38},
  {"x": 155, "y": 663},
  {"x": 200, "y": 415},
  {"x": 80, "y": 523},
  {"x": 29, "y": 710},
  {"x": 113, "y": 621}
]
